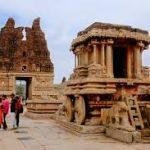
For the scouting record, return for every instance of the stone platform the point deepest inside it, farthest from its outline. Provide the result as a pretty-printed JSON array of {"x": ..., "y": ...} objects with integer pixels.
[
  {"x": 81, "y": 130},
  {"x": 111, "y": 132}
]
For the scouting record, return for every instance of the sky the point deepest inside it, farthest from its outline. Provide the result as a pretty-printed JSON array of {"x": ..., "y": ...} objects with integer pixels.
[{"x": 61, "y": 20}]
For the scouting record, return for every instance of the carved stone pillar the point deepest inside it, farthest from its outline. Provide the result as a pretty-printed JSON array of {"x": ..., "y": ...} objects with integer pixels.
[
  {"x": 137, "y": 60},
  {"x": 78, "y": 59},
  {"x": 102, "y": 54},
  {"x": 141, "y": 58},
  {"x": 75, "y": 59},
  {"x": 109, "y": 59},
  {"x": 94, "y": 53},
  {"x": 129, "y": 62},
  {"x": 86, "y": 57}
]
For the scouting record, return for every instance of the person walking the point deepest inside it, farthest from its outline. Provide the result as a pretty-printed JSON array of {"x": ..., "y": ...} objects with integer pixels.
[
  {"x": 18, "y": 108},
  {"x": 5, "y": 103},
  {"x": 1, "y": 113},
  {"x": 13, "y": 110}
]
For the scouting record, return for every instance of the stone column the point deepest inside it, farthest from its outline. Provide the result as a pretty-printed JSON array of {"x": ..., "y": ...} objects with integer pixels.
[
  {"x": 78, "y": 57},
  {"x": 109, "y": 59},
  {"x": 129, "y": 62},
  {"x": 141, "y": 51},
  {"x": 137, "y": 60},
  {"x": 94, "y": 53},
  {"x": 75, "y": 60},
  {"x": 86, "y": 57},
  {"x": 102, "y": 54}
]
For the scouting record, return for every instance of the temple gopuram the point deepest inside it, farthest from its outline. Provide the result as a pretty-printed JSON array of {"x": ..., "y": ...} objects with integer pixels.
[
  {"x": 109, "y": 87},
  {"x": 24, "y": 56}
]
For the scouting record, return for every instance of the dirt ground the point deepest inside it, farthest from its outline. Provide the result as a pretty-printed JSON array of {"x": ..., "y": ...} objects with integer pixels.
[{"x": 48, "y": 135}]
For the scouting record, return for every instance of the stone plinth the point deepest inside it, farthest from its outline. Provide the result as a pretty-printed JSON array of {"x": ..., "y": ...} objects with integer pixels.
[
  {"x": 123, "y": 135},
  {"x": 42, "y": 108}
]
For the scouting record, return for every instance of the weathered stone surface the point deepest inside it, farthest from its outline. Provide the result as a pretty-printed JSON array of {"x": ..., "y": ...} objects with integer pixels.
[
  {"x": 120, "y": 135},
  {"x": 43, "y": 106},
  {"x": 124, "y": 135},
  {"x": 137, "y": 136}
]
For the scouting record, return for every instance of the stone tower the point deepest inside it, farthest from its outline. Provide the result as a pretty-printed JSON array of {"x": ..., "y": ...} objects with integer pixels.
[{"x": 27, "y": 60}]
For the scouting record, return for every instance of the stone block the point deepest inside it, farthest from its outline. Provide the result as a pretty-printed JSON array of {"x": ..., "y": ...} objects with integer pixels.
[
  {"x": 137, "y": 136},
  {"x": 120, "y": 135}
]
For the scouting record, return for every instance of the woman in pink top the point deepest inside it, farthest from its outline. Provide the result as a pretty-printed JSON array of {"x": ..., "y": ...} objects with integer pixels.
[
  {"x": 5, "y": 103},
  {"x": 1, "y": 112}
]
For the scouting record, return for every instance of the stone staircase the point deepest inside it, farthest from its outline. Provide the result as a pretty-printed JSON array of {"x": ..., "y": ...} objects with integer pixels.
[{"x": 134, "y": 112}]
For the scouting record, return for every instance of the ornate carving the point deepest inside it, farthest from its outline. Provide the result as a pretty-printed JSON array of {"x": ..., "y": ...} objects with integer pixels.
[
  {"x": 80, "y": 110},
  {"x": 96, "y": 70},
  {"x": 117, "y": 116}
]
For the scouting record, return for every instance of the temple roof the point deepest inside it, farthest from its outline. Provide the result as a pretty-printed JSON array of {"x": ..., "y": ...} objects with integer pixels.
[
  {"x": 105, "y": 26},
  {"x": 113, "y": 31}
]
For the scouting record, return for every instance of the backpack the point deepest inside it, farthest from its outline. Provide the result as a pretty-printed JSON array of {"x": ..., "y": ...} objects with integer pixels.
[{"x": 19, "y": 107}]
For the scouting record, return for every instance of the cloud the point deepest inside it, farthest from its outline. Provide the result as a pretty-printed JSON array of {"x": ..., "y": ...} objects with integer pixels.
[{"x": 62, "y": 19}]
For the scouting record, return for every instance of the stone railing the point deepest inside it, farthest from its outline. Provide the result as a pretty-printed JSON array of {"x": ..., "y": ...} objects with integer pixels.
[{"x": 93, "y": 70}]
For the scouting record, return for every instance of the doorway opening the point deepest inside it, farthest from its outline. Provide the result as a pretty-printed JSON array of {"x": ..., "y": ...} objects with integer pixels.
[
  {"x": 119, "y": 62},
  {"x": 23, "y": 87}
]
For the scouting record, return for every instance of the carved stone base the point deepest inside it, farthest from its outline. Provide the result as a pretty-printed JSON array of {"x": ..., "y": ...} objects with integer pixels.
[
  {"x": 81, "y": 130},
  {"x": 42, "y": 107}
]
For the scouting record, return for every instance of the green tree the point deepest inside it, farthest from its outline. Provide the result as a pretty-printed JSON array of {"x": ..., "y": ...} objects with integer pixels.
[{"x": 20, "y": 90}]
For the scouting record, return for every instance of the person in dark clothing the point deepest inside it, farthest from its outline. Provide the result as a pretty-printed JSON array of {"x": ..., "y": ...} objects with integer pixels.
[
  {"x": 13, "y": 102},
  {"x": 19, "y": 109},
  {"x": 13, "y": 110}
]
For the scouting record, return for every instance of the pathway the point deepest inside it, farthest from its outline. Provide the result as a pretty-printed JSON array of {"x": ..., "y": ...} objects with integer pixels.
[{"x": 47, "y": 135}]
